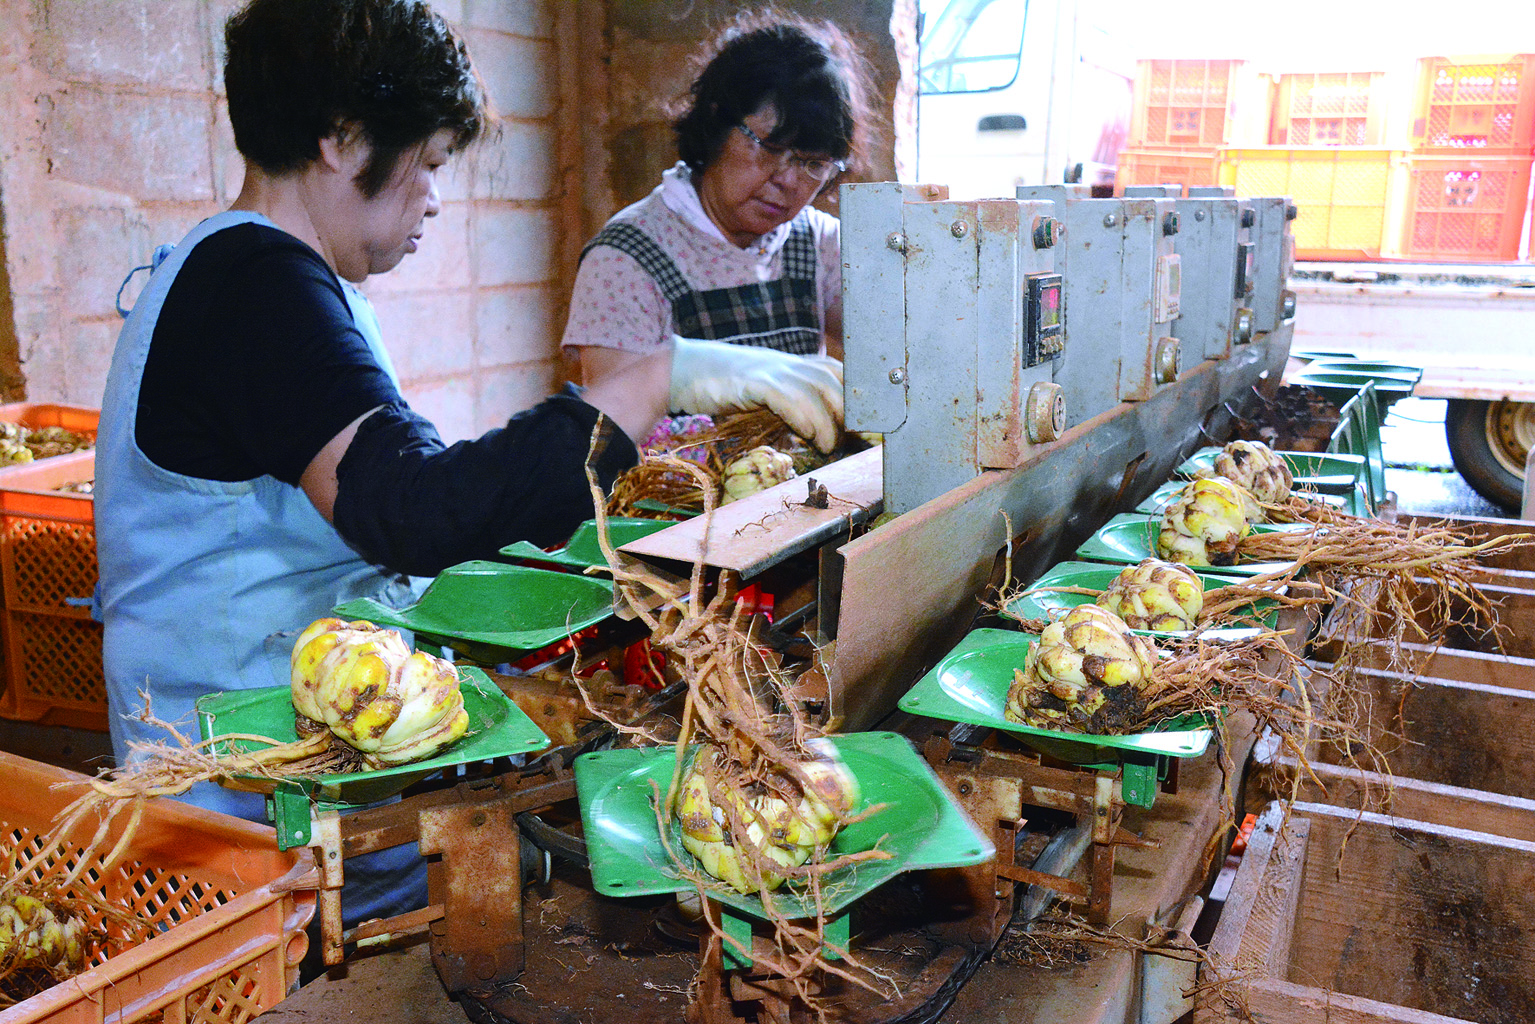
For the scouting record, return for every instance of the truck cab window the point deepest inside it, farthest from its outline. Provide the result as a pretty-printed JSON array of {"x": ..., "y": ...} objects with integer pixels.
[{"x": 970, "y": 45}]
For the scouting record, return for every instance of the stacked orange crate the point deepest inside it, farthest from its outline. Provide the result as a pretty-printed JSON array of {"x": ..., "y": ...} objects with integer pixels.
[
  {"x": 1335, "y": 108},
  {"x": 52, "y": 664},
  {"x": 1185, "y": 110},
  {"x": 1325, "y": 152},
  {"x": 1469, "y": 170}
]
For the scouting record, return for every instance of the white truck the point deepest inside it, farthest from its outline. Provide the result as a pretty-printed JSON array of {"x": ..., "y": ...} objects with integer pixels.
[
  {"x": 1019, "y": 93},
  {"x": 1040, "y": 92},
  {"x": 1472, "y": 329}
]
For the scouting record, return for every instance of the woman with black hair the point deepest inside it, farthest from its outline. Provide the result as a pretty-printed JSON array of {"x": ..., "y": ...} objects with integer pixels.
[
  {"x": 727, "y": 259},
  {"x": 256, "y": 463}
]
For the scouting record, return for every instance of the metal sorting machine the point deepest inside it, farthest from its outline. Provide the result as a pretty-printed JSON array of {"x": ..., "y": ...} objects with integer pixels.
[{"x": 1035, "y": 365}]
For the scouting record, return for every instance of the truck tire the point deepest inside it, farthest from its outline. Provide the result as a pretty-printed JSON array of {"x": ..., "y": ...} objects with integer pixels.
[{"x": 1489, "y": 442}]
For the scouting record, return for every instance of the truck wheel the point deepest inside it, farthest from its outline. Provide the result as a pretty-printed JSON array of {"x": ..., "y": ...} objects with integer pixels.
[{"x": 1489, "y": 442}]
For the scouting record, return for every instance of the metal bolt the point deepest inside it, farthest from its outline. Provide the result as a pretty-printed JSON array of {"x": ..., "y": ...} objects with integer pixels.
[
  {"x": 1291, "y": 212},
  {"x": 1244, "y": 326},
  {"x": 898, "y": 375},
  {"x": 895, "y": 240},
  {"x": 1047, "y": 231},
  {"x": 1199, "y": 215},
  {"x": 1287, "y": 307},
  {"x": 959, "y": 229},
  {"x": 1045, "y": 412},
  {"x": 477, "y": 819},
  {"x": 1165, "y": 361},
  {"x": 1109, "y": 220}
]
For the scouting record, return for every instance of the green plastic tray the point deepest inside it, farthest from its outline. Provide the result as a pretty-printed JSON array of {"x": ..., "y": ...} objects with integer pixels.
[
  {"x": 498, "y": 605},
  {"x": 1322, "y": 471},
  {"x": 920, "y": 825},
  {"x": 1341, "y": 384},
  {"x": 970, "y": 685},
  {"x": 1127, "y": 538},
  {"x": 1096, "y": 576},
  {"x": 1158, "y": 500},
  {"x": 1380, "y": 371},
  {"x": 497, "y": 728},
  {"x": 582, "y": 550}
]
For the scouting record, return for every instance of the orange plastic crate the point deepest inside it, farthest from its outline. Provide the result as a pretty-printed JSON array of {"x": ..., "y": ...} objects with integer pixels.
[
  {"x": 1465, "y": 208},
  {"x": 1198, "y": 104},
  {"x": 1167, "y": 167},
  {"x": 1336, "y": 108},
  {"x": 35, "y": 415},
  {"x": 48, "y": 568},
  {"x": 228, "y": 932},
  {"x": 1482, "y": 103}
]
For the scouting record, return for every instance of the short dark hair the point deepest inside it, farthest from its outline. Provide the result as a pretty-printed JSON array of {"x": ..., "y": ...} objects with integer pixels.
[
  {"x": 810, "y": 71},
  {"x": 297, "y": 71}
]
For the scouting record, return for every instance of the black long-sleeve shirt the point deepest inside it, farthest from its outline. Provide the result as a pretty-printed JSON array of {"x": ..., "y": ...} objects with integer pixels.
[{"x": 256, "y": 364}]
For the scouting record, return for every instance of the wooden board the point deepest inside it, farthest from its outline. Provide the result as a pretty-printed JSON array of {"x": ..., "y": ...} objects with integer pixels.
[
  {"x": 1418, "y": 915},
  {"x": 1257, "y": 923},
  {"x": 1270, "y": 1001},
  {"x": 754, "y": 533},
  {"x": 1459, "y": 734},
  {"x": 1512, "y": 817},
  {"x": 1253, "y": 940},
  {"x": 1449, "y": 663}
]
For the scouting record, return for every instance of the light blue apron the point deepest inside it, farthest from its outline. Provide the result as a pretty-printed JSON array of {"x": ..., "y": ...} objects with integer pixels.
[{"x": 205, "y": 584}]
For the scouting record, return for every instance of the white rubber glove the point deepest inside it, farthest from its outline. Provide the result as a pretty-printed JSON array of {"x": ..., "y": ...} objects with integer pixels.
[{"x": 804, "y": 391}]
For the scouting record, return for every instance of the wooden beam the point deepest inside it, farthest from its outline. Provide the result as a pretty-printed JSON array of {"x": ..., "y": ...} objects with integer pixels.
[
  {"x": 1457, "y": 734},
  {"x": 1445, "y": 663},
  {"x": 1420, "y": 915},
  {"x": 1271, "y": 1001},
  {"x": 1512, "y": 817}
]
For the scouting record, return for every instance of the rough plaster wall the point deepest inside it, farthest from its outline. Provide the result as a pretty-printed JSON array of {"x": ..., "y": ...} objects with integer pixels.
[
  {"x": 113, "y": 138},
  {"x": 652, "y": 44}
]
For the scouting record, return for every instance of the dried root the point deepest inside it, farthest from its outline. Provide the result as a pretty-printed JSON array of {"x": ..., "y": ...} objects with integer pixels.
[
  {"x": 738, "y": 706},
  {"x": 659, "y": 479}
]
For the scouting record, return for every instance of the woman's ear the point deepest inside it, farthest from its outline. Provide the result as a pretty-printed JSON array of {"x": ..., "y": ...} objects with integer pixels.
[{"x": 344, "y": 151}]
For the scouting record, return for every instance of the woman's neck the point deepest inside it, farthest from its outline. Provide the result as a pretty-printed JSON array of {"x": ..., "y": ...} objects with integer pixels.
[
  {"x": 287, "y": 201},
  {"x": 706, "y": 199}
]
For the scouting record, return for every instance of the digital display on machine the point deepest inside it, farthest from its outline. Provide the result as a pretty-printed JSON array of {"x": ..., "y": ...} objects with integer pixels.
[{"x": 1045, "y": 317}]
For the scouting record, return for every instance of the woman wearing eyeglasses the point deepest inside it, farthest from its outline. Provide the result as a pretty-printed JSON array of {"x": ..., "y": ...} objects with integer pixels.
[{"x": 727, "y": 255}]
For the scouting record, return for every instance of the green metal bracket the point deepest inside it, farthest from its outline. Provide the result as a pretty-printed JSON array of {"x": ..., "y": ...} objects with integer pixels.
[
  {"x": 1139, "y": 787},
  {"x": 288, "y": 808},
  {"x": 835, "y": 937}
]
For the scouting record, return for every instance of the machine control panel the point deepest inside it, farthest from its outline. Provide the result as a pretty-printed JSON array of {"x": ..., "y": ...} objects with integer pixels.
[{"x": 1045, "y": 326}]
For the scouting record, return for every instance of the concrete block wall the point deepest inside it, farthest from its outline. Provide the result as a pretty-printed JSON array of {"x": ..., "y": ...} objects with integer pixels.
[{"x": 114, "y": 138}]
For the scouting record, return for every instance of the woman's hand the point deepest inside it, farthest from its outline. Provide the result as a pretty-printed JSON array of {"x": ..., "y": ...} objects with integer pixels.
[{"x": 804, "y": 391}]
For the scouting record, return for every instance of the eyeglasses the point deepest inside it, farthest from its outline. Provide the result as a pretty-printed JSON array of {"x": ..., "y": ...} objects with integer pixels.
[{"x": 814, "y": 168}]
